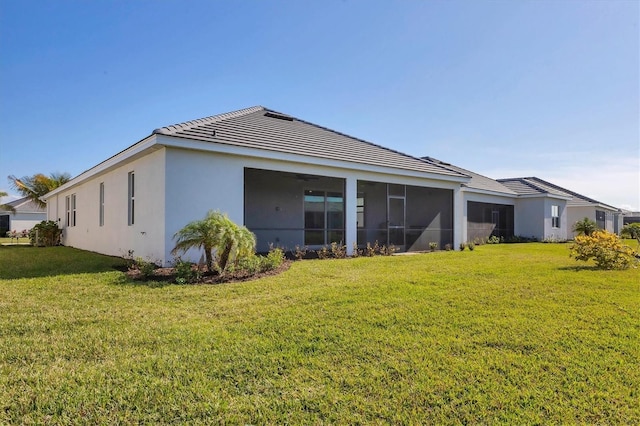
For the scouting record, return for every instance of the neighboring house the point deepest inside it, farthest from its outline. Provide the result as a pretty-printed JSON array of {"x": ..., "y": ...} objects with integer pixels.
[
  {"x": 630, "y": 217},
  {"x": 289, "y": 181},
  {"x": 27, "y": 214},
  {"x": 556, "y": 201}
]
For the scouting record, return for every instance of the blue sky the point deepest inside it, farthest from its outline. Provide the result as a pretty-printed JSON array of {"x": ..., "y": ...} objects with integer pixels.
[{"x": 503, "y": 88}]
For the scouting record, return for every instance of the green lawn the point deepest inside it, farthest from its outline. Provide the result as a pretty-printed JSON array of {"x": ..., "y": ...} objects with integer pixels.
[{"x": 513, "y": 334}]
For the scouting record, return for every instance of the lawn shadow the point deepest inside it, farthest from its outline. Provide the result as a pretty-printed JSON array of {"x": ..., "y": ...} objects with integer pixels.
[
  {"x": 579, "y": 268},
  {"x": 18, "y": 262}
]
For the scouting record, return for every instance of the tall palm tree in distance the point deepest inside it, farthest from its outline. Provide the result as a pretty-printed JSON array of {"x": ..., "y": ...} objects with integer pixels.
[{"x": 34, "y": 187}]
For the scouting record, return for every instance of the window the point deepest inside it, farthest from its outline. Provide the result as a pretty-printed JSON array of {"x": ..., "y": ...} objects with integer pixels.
[
  {"x": 132, "y": 198},
  {"x": 360, "y": 209},
  {"x": 555, "y": 217},
  {"x": 70, "y": 210},
  {"x": 601, "y": 219},
  {"x": 67, "y": 209},
  {"x": 323, "y": 217},
  {"x": 101, "y": 204}
]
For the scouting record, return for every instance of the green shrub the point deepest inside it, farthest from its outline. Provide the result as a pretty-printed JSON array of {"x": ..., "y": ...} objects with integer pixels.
[
  {"x": 605, "y": 249},
  {"x": 585, "y": 226},
  {"x": 447, "y": 247},
  {"x": 631, "y": 230},
  {"x": 273, "y": 260},
  {"x": 433, "y": 246},
  {"x": 185, "y": 272},
  {"x": 471, "y": 245},
  {"x": 493, "y": 240},
  {"x": 338, "y": 251},
  {"x": 323, "y": 253},
  {"x": 251, "y": 265},
  {"x": 462, "y": 246},
  {"x": 146, "y": 267},
  {"x": 45, "y": 234},
  {"x": 300, "y": 252}
]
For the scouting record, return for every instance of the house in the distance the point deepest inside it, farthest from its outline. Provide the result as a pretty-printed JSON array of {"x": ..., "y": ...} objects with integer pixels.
[
  {"x": 577, "y": 207},
  {"x": 292, "y": 183},
  {"x": 26, "y": 215}
]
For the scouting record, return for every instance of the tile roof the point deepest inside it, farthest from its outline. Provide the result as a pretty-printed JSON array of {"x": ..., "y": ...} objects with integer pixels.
[
  {"x": 477, "y": 181},
  {"x": 262, "y": 128},
  {"x": 25, "y": 205},
  {"x": 534, "y": 185}
]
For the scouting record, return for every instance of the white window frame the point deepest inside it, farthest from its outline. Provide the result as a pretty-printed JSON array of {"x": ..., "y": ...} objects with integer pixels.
[
  {"x": 67, "y": 209},
  {"x": 101, "y": 215},
  {"x": 73, "y": 209},
  {"x": 131, "y": 184},
  {"x": 555, "y": 216}
]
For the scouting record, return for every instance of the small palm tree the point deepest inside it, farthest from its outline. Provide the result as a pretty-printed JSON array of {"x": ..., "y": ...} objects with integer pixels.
[
  {"x": 585, "y": 226},
  {"x": 220, "y": 238},
  {"x": 38, "y": 185}
]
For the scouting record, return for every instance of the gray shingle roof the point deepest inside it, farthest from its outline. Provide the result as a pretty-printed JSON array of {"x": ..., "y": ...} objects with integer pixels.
[
  {"x": 25, "y": 205},
  {"x": 262, "y": 128},
  {"x": 534, "y": 185},
  {"x": 477, "y": 181}
]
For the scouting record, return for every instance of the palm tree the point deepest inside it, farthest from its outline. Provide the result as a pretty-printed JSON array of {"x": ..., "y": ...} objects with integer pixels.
[
  {"x": 216, "y": 233},
  {"x": 7, "y": 207},
  {"x": 585, "y": 226},
  {"x": 38, "y": 185}
]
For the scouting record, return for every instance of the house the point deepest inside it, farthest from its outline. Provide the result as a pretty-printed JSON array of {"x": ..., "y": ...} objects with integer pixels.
[
  {"x": 289, "y": 181},
  {"x": 563, "y": 208},
  {"x": 295, "y": 183},
  {"x": 26, "y": 215}
]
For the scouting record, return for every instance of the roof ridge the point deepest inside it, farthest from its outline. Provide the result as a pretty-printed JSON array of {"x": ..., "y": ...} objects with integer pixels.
[
  {"x": 446, "y": 166},
  {"x": 572, "y": 193},
  {"x": 167, "y": 130}
]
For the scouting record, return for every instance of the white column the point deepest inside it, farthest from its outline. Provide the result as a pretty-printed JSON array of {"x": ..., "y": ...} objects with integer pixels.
[
  {"x": 351, "y": 215},
  {"x": 459, "y": 218}
]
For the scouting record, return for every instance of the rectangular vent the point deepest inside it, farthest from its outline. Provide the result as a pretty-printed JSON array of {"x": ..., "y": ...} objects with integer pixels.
[{"x": 278, "y": 116}]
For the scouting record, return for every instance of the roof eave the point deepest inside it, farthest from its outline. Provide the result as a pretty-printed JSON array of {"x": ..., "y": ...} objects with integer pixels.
[
  {"x": 175, "y": 141},
  {"x": 134, "y": 150}
]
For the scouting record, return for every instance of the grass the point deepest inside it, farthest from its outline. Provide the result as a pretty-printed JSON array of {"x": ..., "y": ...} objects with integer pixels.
[{"x": 515, "y": 333}]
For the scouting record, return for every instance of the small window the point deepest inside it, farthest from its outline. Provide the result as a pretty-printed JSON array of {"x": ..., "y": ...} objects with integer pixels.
[
  {"x": 132, "y": 198},
  {"x": 67, "y": 209},
  {"x": 73, "y": 209},
  {"x": 101, "y": 204},
  {"x": 555, "y": 217}
]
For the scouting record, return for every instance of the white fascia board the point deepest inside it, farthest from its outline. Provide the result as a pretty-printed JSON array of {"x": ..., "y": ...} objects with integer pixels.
[
  {"x": 546, "y": 195},
  {"x": 178, "y": 142},
  {"x": 607, "y": 207},
  {"x": 489, "y": 192},
  {"x": 134, "y": 151}
]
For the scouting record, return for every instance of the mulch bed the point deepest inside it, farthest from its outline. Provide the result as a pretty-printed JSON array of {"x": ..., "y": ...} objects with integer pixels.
[{"x": 168, "y": 275}]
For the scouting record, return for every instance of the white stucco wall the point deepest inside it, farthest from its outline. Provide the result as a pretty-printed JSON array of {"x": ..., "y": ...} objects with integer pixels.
[
  {"x": 576, "y": 214},
  {"x": 198, "y": 181},
  {"x": 145, "y": 237},
  {"x": 527, "y": 217}
]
